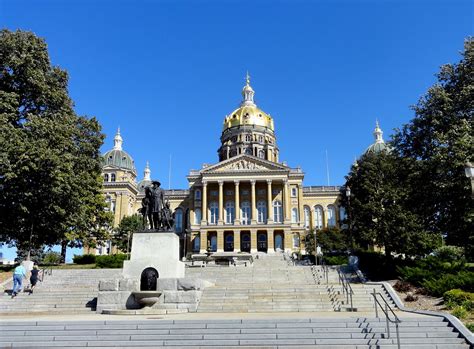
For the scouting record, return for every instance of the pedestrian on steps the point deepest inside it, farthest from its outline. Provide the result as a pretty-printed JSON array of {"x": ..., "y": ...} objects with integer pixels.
[
  {"x": 34, "y": 277},
  {"x": 18, "y": 275}
]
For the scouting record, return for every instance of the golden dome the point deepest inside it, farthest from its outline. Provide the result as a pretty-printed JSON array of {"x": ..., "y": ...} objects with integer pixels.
[{"x": 248, "y": 113}]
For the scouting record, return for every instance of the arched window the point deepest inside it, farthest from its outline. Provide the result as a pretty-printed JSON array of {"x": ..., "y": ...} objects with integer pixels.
[
  {"x": 331, "y": 216},
  {"x": 246, "y": 213},
  {"x": 112, "y": 206},
  {"x": 196, "y": 244},
  {"x": 248, "y": 138},
  {"x": 197, "y": 194},
  {"x": 342, "y": 215},
  {"x": 307, "y": 213},
  {"x": 178, "y": 220},
  {"x": 277, "y": 212},
  {"x": 318, "y": 217},
  {"x": 261, "y": 154},
  {"x": 229, "y": 212},
  {"x": 214, "y": 212},
  {"x": 262, "y": 211},
  {"x": 294, "y": 215},
  {"x": 213, "y": 243},
  {"x": 106, "y": 177},
  {"x": 112, "y": 177},
  {"x": 197, "y": 216}
]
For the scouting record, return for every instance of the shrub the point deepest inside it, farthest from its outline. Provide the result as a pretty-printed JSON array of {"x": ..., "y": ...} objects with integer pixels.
[
  {"x": 378, "y": 267},
  {"x": 335, "y": 260},
  {"x": 470, "y": 326},
  {"x": 460, "y": 312},
  {"x": 449, "y": 253},
  {"x": 51, "y": 257},
  {"x": 111, "y": 261},
  {"x": 458, "y": 297},
  {"x": 84, "y": 259},
  {"x": 438, "y": 286}
]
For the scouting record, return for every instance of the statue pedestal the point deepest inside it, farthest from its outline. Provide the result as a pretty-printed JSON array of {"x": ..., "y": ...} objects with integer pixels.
[{"x": 158, "y": 250}]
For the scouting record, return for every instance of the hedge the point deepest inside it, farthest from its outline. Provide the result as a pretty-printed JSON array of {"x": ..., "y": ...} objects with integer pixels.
[
  {"x": 84, "y": 259},
  {"x": 111, "y": 261}
]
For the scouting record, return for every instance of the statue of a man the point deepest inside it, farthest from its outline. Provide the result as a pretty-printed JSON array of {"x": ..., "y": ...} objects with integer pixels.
[{"x": 156, "y": 204}]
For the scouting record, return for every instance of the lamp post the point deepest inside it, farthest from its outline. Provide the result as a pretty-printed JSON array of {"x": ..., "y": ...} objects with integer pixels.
[
  {"x": 348, "y": 196},
  {"x": 469, "y": 170}
]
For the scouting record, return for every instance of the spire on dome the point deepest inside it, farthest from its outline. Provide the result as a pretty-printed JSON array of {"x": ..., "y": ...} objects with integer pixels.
[
  {"x": 147, "y": 172},
  {"x": 248, "y": 92},
  {"x": 378, "y": 133},
  {"x": 118, "y": 140}
]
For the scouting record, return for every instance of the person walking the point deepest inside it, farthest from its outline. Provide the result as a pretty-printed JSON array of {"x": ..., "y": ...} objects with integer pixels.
[
  {"x": 34, "y": 278},
  {"x": 18, "y": 275}
]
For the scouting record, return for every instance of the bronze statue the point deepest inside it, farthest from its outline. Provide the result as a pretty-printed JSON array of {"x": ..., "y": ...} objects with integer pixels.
[
  {"x": 167, "y": 220},
  {"x": 156, "y": 205}
]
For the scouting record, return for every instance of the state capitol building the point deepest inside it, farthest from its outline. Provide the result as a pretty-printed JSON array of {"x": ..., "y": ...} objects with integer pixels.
[{"x": 246, "y": 202}]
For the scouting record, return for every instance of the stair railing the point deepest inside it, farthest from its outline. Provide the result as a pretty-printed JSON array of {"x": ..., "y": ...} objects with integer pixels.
[
  {"x": 48, "y": 270},
  {"x": 387, "y": 309},
  {"x": 346, "y": 287},
  {"x": 325, "y": 270}
]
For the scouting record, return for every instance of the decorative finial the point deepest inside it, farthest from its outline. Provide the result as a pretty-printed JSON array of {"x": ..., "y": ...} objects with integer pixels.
[
  {"x": 248, "y": 92},
  {"x": 118, "y": 140},
  {"x": 378, "y": 133},
  {"x": 147, "y": 172}
]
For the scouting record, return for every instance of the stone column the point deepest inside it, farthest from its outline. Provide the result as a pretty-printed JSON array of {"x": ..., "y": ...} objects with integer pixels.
[
  {"x": 191, "y": 207},
  {"x": 237, "y": 203},
  {"x": 270, "y": 202},
  {"x": 270, "y": 241},
  {"x": 221, "y": 203},
  {"x": 254, "y": 206},
  {"x": 204, "y": 204},
  {"x": 300, "y": 206},
  {"x": 287, "y": 205},
  {"x": 253, "y": 241},
  {"x": 236, "y": 240},
  {"x": 288, "y": 241},
  {"x": 220, "y": 241},
  {"x": 203, "y": 247}
]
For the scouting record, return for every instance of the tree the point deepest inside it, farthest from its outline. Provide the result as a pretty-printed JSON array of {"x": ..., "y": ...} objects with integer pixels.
[
  {"x": 50, "y": 171},
  {"x": 329, "y": 239},
  {"x": 377, "y": 210},
  {"x": 438, "y": 141},
  {"x": 124, "y": 232}
]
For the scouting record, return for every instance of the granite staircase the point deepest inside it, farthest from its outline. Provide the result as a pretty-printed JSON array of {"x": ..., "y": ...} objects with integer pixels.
[
  {"x": 66, "y": 291},
  {"x": 341, "y": 332},
  {"x": 272, "y": 284}
]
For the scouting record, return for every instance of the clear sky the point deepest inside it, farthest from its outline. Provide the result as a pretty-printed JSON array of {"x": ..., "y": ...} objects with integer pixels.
[{"x": 167, "y": 72}]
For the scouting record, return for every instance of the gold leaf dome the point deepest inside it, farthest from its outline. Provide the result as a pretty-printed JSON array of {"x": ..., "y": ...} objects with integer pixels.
[{"x": 248, "y": 114}]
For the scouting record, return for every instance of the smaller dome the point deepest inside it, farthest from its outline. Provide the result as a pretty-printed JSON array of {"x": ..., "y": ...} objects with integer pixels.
[
  {"x": 146, "y": 181},
  {"x": 379, "y": 144},
  {"x": 119, "y": 158}
]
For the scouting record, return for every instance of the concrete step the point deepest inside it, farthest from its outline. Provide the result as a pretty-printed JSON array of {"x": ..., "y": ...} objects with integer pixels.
[{"x": 340, "y": 332}]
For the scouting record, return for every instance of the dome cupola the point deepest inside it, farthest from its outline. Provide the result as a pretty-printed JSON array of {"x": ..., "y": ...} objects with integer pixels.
[
  {"x": 146, "y": 181},
  {"x": 248, "y": 130},
  {"x": 379, "y": 144},
  {"x": 117, "y": 157}
]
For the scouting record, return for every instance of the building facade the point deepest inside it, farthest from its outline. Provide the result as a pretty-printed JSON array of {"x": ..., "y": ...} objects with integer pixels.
[{"x": 246, "y": 202}]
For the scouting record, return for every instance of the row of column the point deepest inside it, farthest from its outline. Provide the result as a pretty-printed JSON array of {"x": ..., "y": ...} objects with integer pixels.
[
  {"x": 237, "y": 241},
  {"x": 286, "y": 202}
]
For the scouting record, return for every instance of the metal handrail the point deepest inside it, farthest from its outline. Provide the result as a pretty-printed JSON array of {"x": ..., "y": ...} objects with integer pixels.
[
  {"x": 388, "y": 308},
  {"x": 46, "y": 271},
  {"x": 346, "y": 287},
  {"x": 325, "y": 270}
]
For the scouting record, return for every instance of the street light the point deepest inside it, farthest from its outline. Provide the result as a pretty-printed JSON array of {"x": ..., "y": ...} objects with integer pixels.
[
  {"x": 469, "y": 170},
  {"x": 348, "y": 196}
]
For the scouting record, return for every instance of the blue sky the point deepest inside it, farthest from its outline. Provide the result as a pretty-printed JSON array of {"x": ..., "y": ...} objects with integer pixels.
[{"x": 168, "y": 72}]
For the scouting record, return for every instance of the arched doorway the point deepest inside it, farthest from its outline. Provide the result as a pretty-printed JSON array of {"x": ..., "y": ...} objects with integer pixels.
[
  {"x": 245, "y": 242},
  {"x": 229, "y": 242},
  {"x": 262, "y": 245},
  {"x": 279, "y": 241}
]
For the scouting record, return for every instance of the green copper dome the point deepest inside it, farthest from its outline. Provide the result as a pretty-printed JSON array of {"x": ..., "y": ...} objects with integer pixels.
[
  {"x": 118, "y": 157},
  {"x": 379, "y": 144}
]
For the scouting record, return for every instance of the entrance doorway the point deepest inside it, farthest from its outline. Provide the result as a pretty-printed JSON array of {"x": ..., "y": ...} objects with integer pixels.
[
  {"x": 229, "y": 242},
  {"x": 279, "y": 241},
  {"x": 262, "y": 245},
  {"x": 245, "y": 242},
  {"x": 211, "y": 242}
]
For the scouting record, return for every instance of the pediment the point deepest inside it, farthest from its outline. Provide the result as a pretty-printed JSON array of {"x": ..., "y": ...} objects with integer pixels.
[{"x": 244, "y": 163}]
